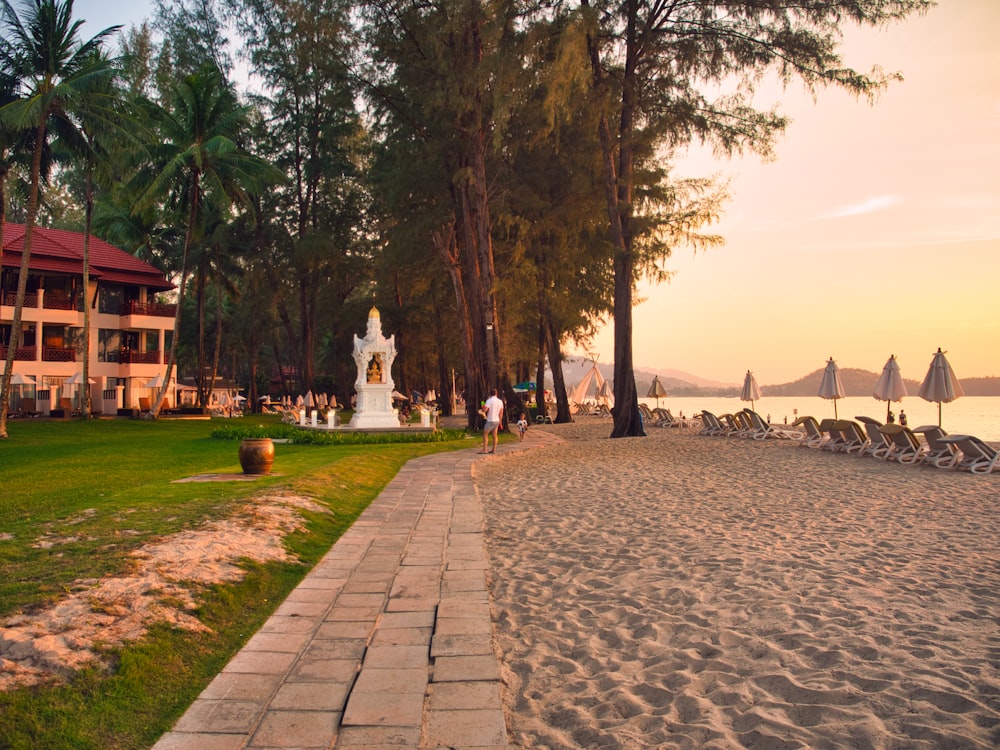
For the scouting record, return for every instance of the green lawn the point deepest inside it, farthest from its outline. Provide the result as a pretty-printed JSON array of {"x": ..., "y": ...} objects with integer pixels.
[{"x": 77, "y": 497}]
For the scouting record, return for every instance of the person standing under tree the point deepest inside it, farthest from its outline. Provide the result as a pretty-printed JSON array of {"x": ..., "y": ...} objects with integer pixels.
[{"x": 494, "y": 414}]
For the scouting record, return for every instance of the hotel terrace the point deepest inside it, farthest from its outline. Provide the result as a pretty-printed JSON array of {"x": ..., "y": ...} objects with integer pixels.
[{"x": 130, "y": 327}]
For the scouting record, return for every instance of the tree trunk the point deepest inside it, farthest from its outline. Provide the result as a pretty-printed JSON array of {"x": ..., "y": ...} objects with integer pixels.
[
  {"x": 88, "y": 215},
  {"x": 22, "y": 279},
  {"x": 558, "y": 381},
  {"x": 188, "y": 242}
]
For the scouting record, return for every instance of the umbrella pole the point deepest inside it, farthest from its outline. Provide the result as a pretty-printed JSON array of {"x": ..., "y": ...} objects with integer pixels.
[
  {"x": 835, "y": 409},
  {"x": 939, "y": 413}
]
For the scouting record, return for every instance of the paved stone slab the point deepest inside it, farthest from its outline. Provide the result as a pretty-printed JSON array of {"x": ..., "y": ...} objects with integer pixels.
[{"x": 386, "y": 643}]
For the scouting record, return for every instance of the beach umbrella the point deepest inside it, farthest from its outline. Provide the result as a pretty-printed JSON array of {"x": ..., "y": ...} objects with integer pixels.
[
  {"x": 831, "y": 386},
  {"x": 890, "y": 386},
  {"x": 299, "y": 401},
  {"x": 605, "y": 394},
  {"x": 751, "y": 391},
  {"x": 656, "y": 390},
  {"x": 940, "y": 384},
  {"x": 77, "y": 379},
  {"x": 310, "y": 400},
  {"x": 156, "y": 382},
  {"x": 524, "y": 387}
]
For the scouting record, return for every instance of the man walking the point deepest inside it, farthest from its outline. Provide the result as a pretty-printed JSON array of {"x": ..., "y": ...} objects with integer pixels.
[{"x": 494, "y": 414}]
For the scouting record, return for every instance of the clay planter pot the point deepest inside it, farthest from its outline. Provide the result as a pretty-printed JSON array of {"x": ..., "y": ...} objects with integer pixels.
[{"x": 257, "y": 455}]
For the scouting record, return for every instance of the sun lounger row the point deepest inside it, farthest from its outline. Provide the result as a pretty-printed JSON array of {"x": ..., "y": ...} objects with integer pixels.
[
  {"x": 893, "y": 442},
  {"x": 659, "y": 417},
  {"x": 745, "y": 424}
]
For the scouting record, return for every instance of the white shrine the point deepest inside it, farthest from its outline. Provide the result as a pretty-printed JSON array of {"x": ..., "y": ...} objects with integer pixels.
[{"x": 374, "y": 355}]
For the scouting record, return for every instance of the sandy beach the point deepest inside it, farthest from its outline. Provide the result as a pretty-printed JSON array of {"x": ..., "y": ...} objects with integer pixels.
[{"x": 682, "y": 591}]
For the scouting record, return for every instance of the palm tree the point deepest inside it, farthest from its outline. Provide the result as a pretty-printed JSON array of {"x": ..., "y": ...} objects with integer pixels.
[
  {"x": 57, "y": 74},
  {"x": 198, "y": 164}
]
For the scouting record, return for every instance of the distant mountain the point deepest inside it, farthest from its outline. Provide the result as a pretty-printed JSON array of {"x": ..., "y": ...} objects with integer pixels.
[
  {"x": 679, "y": 383},
  {"x": 862, "y": 383}
]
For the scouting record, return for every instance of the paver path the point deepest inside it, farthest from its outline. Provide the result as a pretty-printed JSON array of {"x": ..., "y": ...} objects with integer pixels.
[{"x": 386, "y": 643}]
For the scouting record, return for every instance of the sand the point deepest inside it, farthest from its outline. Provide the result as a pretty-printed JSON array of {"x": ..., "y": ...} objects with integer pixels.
[
  {"x": 682, "y": 591},
  {"x": 164, "y": 585}
]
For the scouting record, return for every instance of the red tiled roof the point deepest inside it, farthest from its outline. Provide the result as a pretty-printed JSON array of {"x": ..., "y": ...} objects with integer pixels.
[{"x": 61, "y": 251}]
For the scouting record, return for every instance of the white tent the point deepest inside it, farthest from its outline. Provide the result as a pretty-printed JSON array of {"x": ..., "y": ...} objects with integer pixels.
[{"x": 582, "y": 390}]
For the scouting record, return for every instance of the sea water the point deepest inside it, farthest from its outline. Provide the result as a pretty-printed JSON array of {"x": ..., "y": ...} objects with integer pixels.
[{"x": 969, "y": 415}]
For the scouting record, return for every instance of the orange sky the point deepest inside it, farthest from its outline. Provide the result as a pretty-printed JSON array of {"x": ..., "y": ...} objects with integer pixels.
[{"x": 876, "y": 230}]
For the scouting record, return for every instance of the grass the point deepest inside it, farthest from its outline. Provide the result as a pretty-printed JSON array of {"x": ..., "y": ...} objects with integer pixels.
[{"x": 76, "y": 498}]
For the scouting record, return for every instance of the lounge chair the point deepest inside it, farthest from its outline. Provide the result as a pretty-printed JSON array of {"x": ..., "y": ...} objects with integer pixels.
[
  {"x": 853, "y": 438},
  {"x": 943, "y": 455},
  {"x": 812, "y": 437},
  {"x": 977, "y": 456},
  {"x": 879, "y": 444},
  {"x": 711, "y": 424},
  {"x": 144, "y": 406},
  {"x": 729, "y": 424},
  {"x": 905, "y": 446},
  {"x": 764, "y": 429},
  {"x": 834, "y": 438}
]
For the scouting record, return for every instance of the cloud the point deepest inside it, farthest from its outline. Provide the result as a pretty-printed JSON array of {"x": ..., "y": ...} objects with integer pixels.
[{"x": 867, "y": 206}]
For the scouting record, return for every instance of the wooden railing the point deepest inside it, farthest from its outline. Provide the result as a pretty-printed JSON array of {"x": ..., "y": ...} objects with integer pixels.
[
  {"x": 23, "y": 353},
  {"x": 157, "y": 309},
  {"x": 58, "y": 354},
  {"x": 58, "y": 302},
  {"x": 30, "y": 299}
]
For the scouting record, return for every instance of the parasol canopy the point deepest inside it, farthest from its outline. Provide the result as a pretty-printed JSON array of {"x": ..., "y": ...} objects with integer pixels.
[
  {"x": 77, "y": 379},
  {"x": 525, "y": 386},
  {"x": 831, "y": 387},
  {"x": 890, "y": 386},
  {"x": 156, "y": 382},
  {"x": 19, "y": 379},
  {"x": 940, "y": 384},
  {"x": 656, "y": 390},
  {"x": 751, "y": 391}
]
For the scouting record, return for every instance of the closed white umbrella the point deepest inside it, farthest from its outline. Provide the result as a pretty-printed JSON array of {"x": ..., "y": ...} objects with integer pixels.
[
  {"x": 309, "y": 400},
  {"x": 890, "y": 386},
  {"x": 940, "y": 384},
  {"x": 751, "y": 391},
  {"x": 656, "y": 390},
  {"x": 831, "y": 386},
  {"x": 605, "y": 394}
]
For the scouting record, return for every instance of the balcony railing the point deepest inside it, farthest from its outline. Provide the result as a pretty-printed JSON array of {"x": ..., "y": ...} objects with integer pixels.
[
  {"x": 58, "y": 354},
  {"x": 157, "y": 309},
  {"x": 58, "y": 302},
  {"x": 23, "y": 353},
  {"x": 30, "y": 299},
  {"x": 131, "y": 356}
]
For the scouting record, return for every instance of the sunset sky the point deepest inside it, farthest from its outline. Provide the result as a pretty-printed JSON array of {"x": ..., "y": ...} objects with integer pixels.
[{"x": 875, "y": 231}]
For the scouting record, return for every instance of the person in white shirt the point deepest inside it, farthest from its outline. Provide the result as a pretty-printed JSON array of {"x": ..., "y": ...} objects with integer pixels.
[
  {"x": 494, "y": 414},
  {"x": 522, "y": 426}
]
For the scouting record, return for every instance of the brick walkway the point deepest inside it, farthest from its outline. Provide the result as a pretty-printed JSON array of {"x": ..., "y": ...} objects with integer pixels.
[{"x": 388, "y": 640}]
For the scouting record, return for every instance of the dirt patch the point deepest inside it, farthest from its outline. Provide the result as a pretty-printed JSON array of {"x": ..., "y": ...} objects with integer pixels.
[{"x": 47, "y": 644}]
